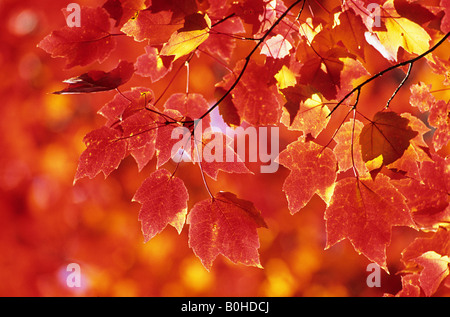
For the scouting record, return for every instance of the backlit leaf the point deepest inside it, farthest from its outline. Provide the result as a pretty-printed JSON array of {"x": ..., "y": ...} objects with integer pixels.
[
  {"x": 225, "y": 225},
  {"x": 187, "y": 39},
  {"x": 313, "y": 171},
  {"x": 152, "y": 65},
  {"x": 83, "y": 45},
  {"x": 388, "y": 135},
  {"x": 97, "y": 80},
  {"x": 364, "y": 212},
  {"x": 105, "y": 150},
  {"x": 164, "y": 201},
  {"x": 403, "y": 32},
  {"x": 146, "y": 25}
]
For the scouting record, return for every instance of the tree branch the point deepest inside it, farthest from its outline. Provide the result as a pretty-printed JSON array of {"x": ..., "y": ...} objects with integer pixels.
[{"x": 411, "y": 61}]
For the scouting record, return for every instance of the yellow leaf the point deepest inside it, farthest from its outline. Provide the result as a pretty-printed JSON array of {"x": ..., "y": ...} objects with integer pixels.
[
  {"x": 285, "y": 78},
  {"x": 184, "y": 42},
  {"x": 405, "y": 33}
]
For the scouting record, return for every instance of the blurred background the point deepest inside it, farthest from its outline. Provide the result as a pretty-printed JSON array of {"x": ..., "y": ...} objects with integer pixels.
[{"x": 46, "y": 222}]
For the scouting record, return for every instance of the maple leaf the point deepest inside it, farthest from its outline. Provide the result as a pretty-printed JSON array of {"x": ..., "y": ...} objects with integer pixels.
[
  {"x": 166, "y": 144},
  {"x": 276, "y": 47},
  {"x": 227, "y": 109},
  {"x": 114, "y": 9},
  {"x": 164, "y": 201},
  {"x": 435, "y": 270},
  {"x": 180, "y": 8},
  {"x": 257, "y": 101},
  {"x": 123, "y": 10},
  {"x": 432, "y": 254},
  {"x": 440, "y": 119},
  {"x": 152, "y": 64},
  {"x": 221, "y": 41},
  {"x": 83, "y": 45},
  {"x": 438, "y": 112},
  {"x": 125, "y": 103},
  {"x": 189, "y": 105},
  {"x": 250, "y": 12},
  {"x": 350, "y": 32},
  {"x": 215, "y": 153},
  {"x": 294, "y": 96},
  {"x": 105, "y": 150},
  {"x": 387, "y": 135},
  {"x": 313, "y": 171},
  {"x": 410, "y": 286},
  {"x": 285, "y": 78},
  {"x": 416, "y": 11},
  {"x": 416, "y": 152},
  {"x": 140, "y": 130},
  {"x": 225, "y": 225},
  {"x": 147, "y": 25},
  {"x": 97, "y": 80},
  {"x": 311, "y": 118},
  {"x": 427, "y": 196},
  {"x": 322, "y": 64},
  {"x": 364, "y": 211},
  {"x": 194, "y": 32},
  {"x": 343, "y": 149},
  {"x": 402, "y": 32}
]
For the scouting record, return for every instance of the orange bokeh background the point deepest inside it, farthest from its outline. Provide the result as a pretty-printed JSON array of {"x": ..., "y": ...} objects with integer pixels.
[{"x": 47, "y": 222}]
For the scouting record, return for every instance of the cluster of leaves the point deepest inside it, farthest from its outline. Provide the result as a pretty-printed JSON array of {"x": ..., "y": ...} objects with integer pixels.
[{"x": 374, "y": 173}]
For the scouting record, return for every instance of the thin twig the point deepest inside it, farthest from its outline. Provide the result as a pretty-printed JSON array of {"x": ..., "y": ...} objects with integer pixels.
[
  {"x": 411, "y": 61},
  {"x": 248, "y": 57},
  {"x": 399, "y": 86}
]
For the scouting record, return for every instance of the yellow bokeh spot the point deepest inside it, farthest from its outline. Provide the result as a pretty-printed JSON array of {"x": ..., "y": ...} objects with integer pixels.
[
  {"x": 57, "y": 108},
  {"x": 195, "y": 277},
  {"x": 280, "y": 282}
]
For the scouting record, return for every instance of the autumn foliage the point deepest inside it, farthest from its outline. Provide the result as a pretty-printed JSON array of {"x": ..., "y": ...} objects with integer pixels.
[{"x": 358, "y": 92}]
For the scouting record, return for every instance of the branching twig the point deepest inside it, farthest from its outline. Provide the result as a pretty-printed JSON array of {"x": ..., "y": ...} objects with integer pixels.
[
  {"x": 248, "y": 57},
  {"x": 399, "y": 86},
  {"x": 381, "y": 73}
]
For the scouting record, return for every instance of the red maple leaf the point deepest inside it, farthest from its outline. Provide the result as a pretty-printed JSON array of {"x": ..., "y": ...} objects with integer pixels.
[
  {"x": 221, "y": 41},
  {"x": 97, "y": 80},
  {"x": 225, "y": 225},
  {"x": 153, "y": 65},
  {"x": 126, "y": 103},
  {"x": 255, "y": 97},
  {"x": 440, "y": 119},
  {"x": 313, "y": 171},
  {"x": 189, "y": 105},
  {"x": 364, "y": 211},
  {"x": 147, "y": 25},
  {"x": 140, "y": 130},
  {"x": 83, "y": 45},
  {"x": 427, "y": 196},
  {"x": 433, "y": 255},
  {"x": 215, "y": 153},
  {"x": 164, "y": 201},
  {"x": 347, "y": 150},
  {"x": 105, "y": 150}
]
